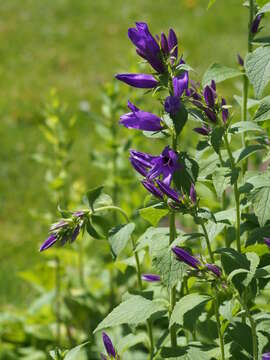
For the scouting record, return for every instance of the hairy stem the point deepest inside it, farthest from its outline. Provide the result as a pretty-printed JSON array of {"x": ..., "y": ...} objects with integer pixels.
[
  {"x": 221, "y": 340},
  {"x": 208, "y": 243},
  {"x": 236, "y": 194}
]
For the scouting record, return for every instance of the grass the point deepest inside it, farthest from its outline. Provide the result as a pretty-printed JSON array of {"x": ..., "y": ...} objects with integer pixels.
[{"x": 75, "y": 46}]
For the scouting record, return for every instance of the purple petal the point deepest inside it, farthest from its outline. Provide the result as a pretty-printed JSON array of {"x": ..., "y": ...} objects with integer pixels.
[
  {"x": 143, "y": 158},
  {"x": 180, "y": 84},
  {"x": 149, "y": 185},
  {"x": 172, "y": 43},
  {"x": 79, "y": 213},
  {"x": 240, "y": 60},
  {"x": 266, "y": 356},
  {"x": 108, "y": 345},
  {"x": 267, "y": 241},
  {"x": 132, "y": 107},
  {"x": 211, "y": 115},
  {"x": 193, "y": 194},
  {"x": 150, "y": 277},
  {"x": 143, "y": 81},
  {"x": 164, "y": 44},
  {"x": 172, "y": 105},
  {"x": 183, "y": 255},
  {"x": 140, "y": 120},
  {"x": 225, "y": 112},
  {"x": 214, "y": 269},
  {"x": 48, "y": 242},
  {"x": 138, "y": 167},
  {"x": 256, "y": 23},
  {"x": 75, "y": 233},
  {"x": 172, "y": 194},
  {"x": 209, "y": 96},
  {"x": 202, "y": 130}
]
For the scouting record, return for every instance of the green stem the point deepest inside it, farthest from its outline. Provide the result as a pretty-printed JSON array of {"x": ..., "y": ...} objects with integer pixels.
[
  {"x": 236, "y": 195},
  {"x": 221, "y": 340},
  {"x": 208, "y": 242},
  {"x": 254, "y": 335},
  {"x": 57, "y": 300}
]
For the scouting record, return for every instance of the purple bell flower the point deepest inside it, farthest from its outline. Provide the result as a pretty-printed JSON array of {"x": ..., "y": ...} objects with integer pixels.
[
  {"x": 240, "y": 60},
  {"x": 172, "y": 194},
  {"x": 211, "y": 115},
  {"x": 214, "y": 269},
  {"x": 204, "y": 130},
  {"x": 147, "y": 46},
  {"x": 180, "y": 83},
  {"x": 151, "y": 277},
  {"x": 141, "y": 120},
  {"x": 150, "y": 186},
  {"x": 172, "y": 43},
  {"x": 183, "y": 255},
  {"x": 75, "y": 233},
  {"x": 172, "y": 105},
  {"x": 108, "y": 345},
  {"x": 164, "y": 44},
  {"x": 256, "y": 23},
  {"x": 142, "y": 81},
  {"x": 267, "y": 241},
  {"x": 266, "y": 356},
  {"x": 141, "y": 162},
  {"x": 193, "y": 194},
  {"x": 50, "y": 241},
  {"x": 225, "y": 112},
  {"x": 209, "y": 95}
]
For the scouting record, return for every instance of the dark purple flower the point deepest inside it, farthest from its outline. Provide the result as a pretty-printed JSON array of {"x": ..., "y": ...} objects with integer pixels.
[
  {"x": 48, "y": 242},
  {"x": 138, "y": 167},
  {"x": 164, "y": 44},
  {"x": 172, "y": 105},
  {"x": 79, "y": 213},
  {"x": 172, "y": 194},
  {"x": 193, "y": 194},
  {"x": 180, "y": 83},
  {"x": 142, "y": 81},
  {"x": 204, "y": 130},
  {"x": 225, "y": 112},
  {"x": 141, "y": 161},
  {"x": 141, "y": 120},
  {"x": 240, "y": 60},
  {"x": 165, "y": 164},
  {"x": 267, "y": 241},
  {"x": 266, "y": 356},
  {"x": 150, "y": 186},
  {"x": 256, "y": 23},
  {"x": 150, "y": 277},
  {"x": 210, "y": 114},
  {"x": 209, "y": 95},
  {"x": 108, "y": 345},
  {"x": 75, "y": 233},
  {"x": 183, "y": 255},
  {"x": 58, "y": 225},
  {"x": 172, "y": 43},
  {"x": 147, "y": 46},
  {"x": 214, "y": 269}
]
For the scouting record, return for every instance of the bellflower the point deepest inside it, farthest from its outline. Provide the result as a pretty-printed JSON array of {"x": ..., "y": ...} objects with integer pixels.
[
  {"x": 240, "y": 60},
  {"x": 204, "y": 130},
  {"x": 147, "y": 46},
  {"x": 48, "y": 242},
  {"x": 193, "y": 194},
  {"x": 180, "y": 83},
  {"x": 142, "y": 81},
  {"x": 151, "y": 277},
  {"x": 256, "y": 23},
  {"x": 168, "y": 191},
  {"x": 150, "y": 186},
  {"x": 172, "y": 105},
  {"x": 75, "y": 233},
  {"x": 214, "y": 269},
  {"x": 164, "y": 44},
  {"x": 183, "y": 255},
  {"x": 109, "y": 346},
  {"x": 209, "y": 95},
  {"x": 141, "y": 162},
  {"x": 141, "y": 120},
  {"x": 266, "y": 356},
  {"x": 225, "y": 112},
  {"x": 173, "y": 44},
  {"x": 211, "y": 115},
  {"x": 267, "y": 241}
]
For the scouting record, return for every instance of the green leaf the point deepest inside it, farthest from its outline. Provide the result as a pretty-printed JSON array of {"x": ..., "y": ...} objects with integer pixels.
[
  {"x": 131, "y": 340},
  {"x": 264, "y": 40},
  {"x": 257, "y": 65},
  {"x": 187, "y": 310},
  {"x": 260, "y": 199},
  {"x": 77, "y": 353},
  {"x": 241, "y": 335},
  {"x": 153, "y": 238},
  {"x": 265, "y": 8},
  {"x": 248, "y": 151},
  {"x": 258, "y": 179},
  {"x": 119, "y": 237},
  {"x": 216, "y": 137},
  {"x": 211, "y": 3},
  {"x": 188, "y": 173},
  {"x": 153, "y": 214},
  {"x": 133, "y": 311},
  {"x": 92, "y": 195},
  {"x": 180, "y": 119},
  {"x": 250, "y": 103},
  {"x": 243, "y": 126},
  {"x": 263, "y": 112},
  {"x": 219, "y": 73},
  {"x": 221, "y": 180}
]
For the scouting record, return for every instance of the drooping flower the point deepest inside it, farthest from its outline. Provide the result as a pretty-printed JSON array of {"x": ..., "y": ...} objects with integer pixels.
[
  {"x": 266, "y": 356},
  {"x": 172, "y": 105},
  {"x": 204, "y": 130},
  {"x": 151, "y": 277},
  {"x": 183, "y": 255},
  {"x": 267, "y": 241},
  {"x": 193, "y": 194},
  {"x": 214, "y": 269},
  {"x": 48, "y": 242},
  {"x": 142, "y": 81},
  {"x": 147, "y": 46},
  {"x": 151, "y": 187},
  {"x": 141, "y": 162},
  {"x": 141, "y": 120},
  {"x": 168, "y": 191},
  {"x": 240, "y": 60},
  {"x": 109, "y": 346},
  {"x": 225, "y": 112},
  {"x": 256, "y": 23}
]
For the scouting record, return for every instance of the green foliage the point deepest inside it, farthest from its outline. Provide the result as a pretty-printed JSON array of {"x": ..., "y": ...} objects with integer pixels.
[
  {"x": 119, "y": 237},
  {"x": 219, "y": 73}
]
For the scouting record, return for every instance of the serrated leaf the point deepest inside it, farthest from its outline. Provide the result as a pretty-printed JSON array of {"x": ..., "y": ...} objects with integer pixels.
[
  {"x": 261, "y": 204},
  {"x": 219, "y": 73},
  {"x": 221, "y": 181},
  {"x": 216, "y": 137},
  {"x": 119, "y": 237},
  {"x": 133, "y": 311},
  {"x": 263, "y": 112},
  {"x": 188, "y": 308},
  {"x": 153, "y": 238},
  {"x": 153, "y": 214},
  {"x": 257, "y": 65}
]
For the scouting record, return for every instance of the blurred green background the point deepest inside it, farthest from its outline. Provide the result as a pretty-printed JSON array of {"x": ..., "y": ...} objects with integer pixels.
[{"x": 75, "y": 47}]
